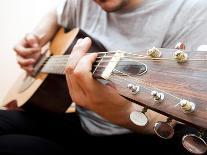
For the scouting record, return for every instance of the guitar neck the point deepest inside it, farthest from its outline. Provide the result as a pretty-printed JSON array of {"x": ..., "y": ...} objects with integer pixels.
[
  {"x": 138, "y": 77},
  {"x": 57, "y": 64}
]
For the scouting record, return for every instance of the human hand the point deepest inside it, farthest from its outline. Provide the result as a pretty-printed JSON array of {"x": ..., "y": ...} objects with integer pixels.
[
  {"x": 87, "y": 92},
  {"x": 28, "y": 51}
]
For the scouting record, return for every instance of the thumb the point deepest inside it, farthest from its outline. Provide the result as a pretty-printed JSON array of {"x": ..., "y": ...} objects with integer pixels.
[{"x": 32, "y": 40}]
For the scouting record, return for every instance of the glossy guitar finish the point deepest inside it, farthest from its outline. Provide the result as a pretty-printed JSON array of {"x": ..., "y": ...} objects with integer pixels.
[
  {"x": 48, "y": 92},
  {"x": 175, "y": 88},
  {"x": 176, "y": 81}
]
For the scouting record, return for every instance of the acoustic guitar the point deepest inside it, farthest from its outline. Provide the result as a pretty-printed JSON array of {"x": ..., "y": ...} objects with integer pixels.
[
  {"x": 172, "y": 82},
  {"x": 46, "y": 89}
]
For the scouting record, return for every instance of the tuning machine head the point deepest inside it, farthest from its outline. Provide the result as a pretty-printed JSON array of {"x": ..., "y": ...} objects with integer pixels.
[
  {"x": 164, "y": 129},
  {"x": 180, "y": 46},
  {"x": 158, "y": 97},
  {"x": 180, "y": 56},
  {"x": 154, "y": 53},
  {"x": 187, "y": 106},
  {"x": 139, "y": 118},
  {"x": 194, "y": 144}
]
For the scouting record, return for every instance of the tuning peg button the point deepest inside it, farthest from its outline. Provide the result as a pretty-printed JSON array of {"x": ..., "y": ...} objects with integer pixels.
[
  {"x": 187, "y": 106},
  {"x": 154, "y": 53},
  {"x": 194, "y": 144},
  {"x": 164, "y": 129},
  {"x": 181, "y": 56},
  {"x": 180, "y": 46},
  {"x": 134, "y": 89},
  {"x": 158, "y": 97},
  {"x": 139, "y": 118}
]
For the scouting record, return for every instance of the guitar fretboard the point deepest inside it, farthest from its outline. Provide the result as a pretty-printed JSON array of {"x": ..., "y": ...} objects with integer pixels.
[{"x": 58, "y": 64}]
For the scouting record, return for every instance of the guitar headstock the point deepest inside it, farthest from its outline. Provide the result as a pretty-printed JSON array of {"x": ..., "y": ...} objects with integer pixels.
[{"x": 169, "y": 81}]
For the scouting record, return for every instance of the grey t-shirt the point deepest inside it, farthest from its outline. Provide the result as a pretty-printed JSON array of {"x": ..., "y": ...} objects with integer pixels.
[{"x": 159, "y": 23}]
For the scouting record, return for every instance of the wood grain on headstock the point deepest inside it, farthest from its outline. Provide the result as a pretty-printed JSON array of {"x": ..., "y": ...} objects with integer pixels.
[{"x": 176, "y": 80}]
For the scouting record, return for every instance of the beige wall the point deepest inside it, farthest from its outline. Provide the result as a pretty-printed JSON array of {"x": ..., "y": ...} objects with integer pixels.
[{"x": 17, "y": 17}]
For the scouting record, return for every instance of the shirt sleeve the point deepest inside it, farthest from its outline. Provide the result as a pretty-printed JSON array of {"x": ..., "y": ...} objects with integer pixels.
[{"x": 66, "y": 13}]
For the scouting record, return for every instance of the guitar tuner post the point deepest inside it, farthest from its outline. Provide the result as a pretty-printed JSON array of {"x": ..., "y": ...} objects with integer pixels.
[
  {"x": 139, "y": 118},
  {"x": 187, "y": 106},
  {"x": 154, "y": 53},
  {"x": 180, "y": 46},
  {"x": 164, "y": 129},
  {"x": 194, "y": 144},
  {"x": 134, "y": 89},
  {"x": 158, "y": 97},
  {"x": 180, "y": 56}
]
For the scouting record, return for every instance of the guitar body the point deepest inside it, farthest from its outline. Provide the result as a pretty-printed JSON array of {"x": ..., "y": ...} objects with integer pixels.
[{"x": 47, "y": 92}]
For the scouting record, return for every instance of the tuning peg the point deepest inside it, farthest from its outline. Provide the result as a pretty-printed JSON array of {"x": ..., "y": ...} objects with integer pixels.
[
  {"x": 154, "y": 53},
  {"x": 158, "y": 97},
  {"x": 195, "y": 144},
  {"x": 180, "y": 46},
  {"x": 187, "y": 106},
  {"x": 180, "y": 56},
  {"x": 164, "y": 129},
  {"x": 139, "y": 118},
  {"x": 134, "y": 89}
]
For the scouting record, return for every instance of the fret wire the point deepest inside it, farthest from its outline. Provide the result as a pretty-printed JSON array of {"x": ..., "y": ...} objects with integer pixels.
[{"x": 99, "y": 63}]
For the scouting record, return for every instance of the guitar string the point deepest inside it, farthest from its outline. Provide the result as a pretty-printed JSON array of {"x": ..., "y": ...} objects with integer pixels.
[
  {"x": 51, "y": 62},
  {"x": 65, "y": 62},
  {"x": 114, "y": 52},
  {"x": 161, "y": 49},
  {"x": 163, "y": 73},
  {"x": 136, "y": 80},
  {"x": 102, "y": 60},
  {"x": 126, "y": 75},
  {"x": 127, "y": 53},
  {"x": 139, "y": 81},
  {"x": 113, "y": 80},
  {"x": 138, "y": 57},
  {"x": 103, "y": 66},
  {"x": 62, "y": 64}
]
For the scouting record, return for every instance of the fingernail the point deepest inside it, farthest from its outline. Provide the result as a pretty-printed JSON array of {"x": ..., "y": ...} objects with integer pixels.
[
  {"x": 79, "y": 40},
  {"x": 85, "y": 40}
]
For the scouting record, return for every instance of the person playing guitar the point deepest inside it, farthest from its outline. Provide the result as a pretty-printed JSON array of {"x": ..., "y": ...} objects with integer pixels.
[{"x": 129, "y": 25}]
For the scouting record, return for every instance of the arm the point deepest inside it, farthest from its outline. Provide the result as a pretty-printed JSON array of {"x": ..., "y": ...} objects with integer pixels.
[
  {"x": 102, "y": 99},
  {"x": 28, "y": 49},
  {"x": 47, "y": 27}
]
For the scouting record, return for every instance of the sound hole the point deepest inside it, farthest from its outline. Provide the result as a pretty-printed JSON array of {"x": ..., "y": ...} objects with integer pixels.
[{"x": 132, "y": 68}]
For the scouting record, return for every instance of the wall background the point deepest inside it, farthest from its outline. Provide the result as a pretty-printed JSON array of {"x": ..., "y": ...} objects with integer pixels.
[{"x": 17, "y": 17}]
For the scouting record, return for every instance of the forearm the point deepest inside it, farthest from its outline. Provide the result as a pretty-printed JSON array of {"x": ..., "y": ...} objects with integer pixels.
[{"x": 47, "y": 27}]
